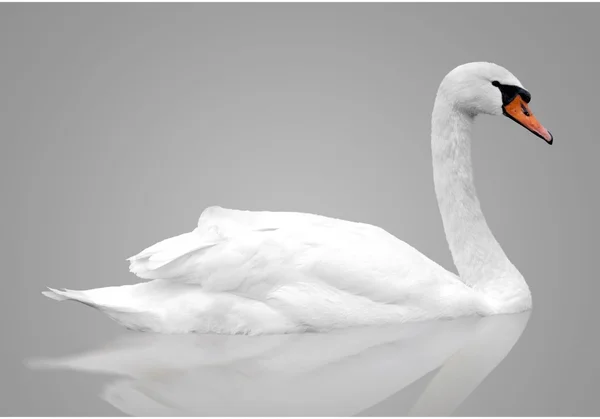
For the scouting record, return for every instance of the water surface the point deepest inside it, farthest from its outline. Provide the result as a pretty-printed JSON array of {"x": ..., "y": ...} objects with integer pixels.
[{"x": 341, "y": 373}]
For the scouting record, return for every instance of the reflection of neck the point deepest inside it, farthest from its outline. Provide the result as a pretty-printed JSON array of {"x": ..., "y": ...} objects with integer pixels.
[
  {"x": 480, "y": 260},
  {"x": 493, "y": 339}
]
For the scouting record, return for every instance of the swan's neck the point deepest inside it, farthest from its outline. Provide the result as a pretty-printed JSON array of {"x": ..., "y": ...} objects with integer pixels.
[{"x": 481, "y": 262}]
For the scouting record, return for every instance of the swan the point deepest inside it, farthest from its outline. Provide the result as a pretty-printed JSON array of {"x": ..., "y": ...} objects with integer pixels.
[{"x": 260, "y": 272}]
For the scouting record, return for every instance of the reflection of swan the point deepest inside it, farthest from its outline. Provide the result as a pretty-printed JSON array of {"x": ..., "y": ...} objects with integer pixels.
[
  {"x": 342, "y": 372},
  {"x": 266, "y": 272}
]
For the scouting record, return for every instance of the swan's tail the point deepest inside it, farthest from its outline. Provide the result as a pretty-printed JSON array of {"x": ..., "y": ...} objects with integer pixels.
[
  {"x": 119, "y": 303},
  {"x": 66, "y": 294}
]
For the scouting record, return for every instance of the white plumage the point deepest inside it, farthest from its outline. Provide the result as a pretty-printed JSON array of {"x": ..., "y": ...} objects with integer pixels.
[{"x": 277, "y": 272}]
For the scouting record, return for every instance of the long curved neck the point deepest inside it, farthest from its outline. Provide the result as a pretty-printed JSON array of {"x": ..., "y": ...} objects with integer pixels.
[{"x": 481, "y": 262}]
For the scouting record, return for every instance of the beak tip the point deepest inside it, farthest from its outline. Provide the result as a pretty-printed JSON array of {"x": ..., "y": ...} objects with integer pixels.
[{"x": 551, "y": 140}]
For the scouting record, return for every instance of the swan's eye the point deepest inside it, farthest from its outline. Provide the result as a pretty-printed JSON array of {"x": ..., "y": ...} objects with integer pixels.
[{"x": 509, "y": 92}]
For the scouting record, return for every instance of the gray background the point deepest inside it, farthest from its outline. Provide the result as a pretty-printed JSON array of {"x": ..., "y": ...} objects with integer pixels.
[{"x": 120, "y": 123}]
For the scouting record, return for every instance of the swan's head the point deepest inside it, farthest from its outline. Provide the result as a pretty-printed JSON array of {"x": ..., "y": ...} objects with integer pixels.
[{"x": 487, "y": 88}]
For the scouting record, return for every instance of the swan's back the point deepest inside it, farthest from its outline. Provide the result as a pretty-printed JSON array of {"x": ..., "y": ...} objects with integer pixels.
[{"x": 305, "y": 270}]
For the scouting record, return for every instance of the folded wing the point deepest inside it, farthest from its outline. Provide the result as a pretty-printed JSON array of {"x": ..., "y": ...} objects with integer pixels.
[{"x": 305, "y": 264}]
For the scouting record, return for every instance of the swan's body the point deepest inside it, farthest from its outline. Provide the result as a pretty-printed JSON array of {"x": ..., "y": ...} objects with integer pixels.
[{"x": 274, "y": 272}]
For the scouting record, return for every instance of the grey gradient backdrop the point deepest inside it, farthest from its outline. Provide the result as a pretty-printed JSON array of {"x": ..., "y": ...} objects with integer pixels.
[{"x": 120, "y": 123}]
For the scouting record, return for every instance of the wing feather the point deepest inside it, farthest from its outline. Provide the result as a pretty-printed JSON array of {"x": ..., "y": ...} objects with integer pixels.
[
  {"x": 155, "y": 258},
  {"x": 257, "y": 254}
]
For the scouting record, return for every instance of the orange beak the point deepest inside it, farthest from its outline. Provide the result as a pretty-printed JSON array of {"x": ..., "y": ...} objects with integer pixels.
[{"x": 518, "y": 111}]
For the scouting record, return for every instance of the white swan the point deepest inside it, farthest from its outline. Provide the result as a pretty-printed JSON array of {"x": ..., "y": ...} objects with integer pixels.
[{"x": 278, "y": 272}]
